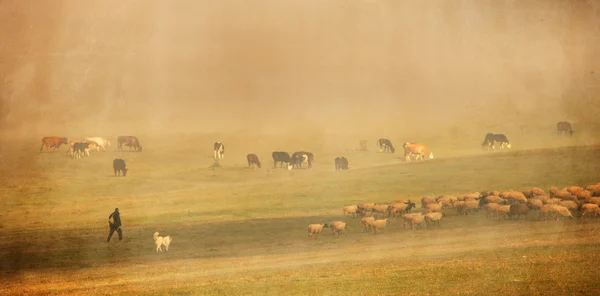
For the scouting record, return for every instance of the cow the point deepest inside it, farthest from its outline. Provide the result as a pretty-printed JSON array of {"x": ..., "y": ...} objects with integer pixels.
[
  {"x": 300, "y": 157},
  {"x": 564, "y": 127},
  {"x": 81, "y": 149},
  {"x": 91, "y": 146},
  {"x": 491, "y": 139},
  {"x": 53, "y": 142},
  {"x": 341, "y": 163},
  {"x": 280, "y": 156},
  {"x": 253, "y": 160},
  {"x": 119, "y": 167},
  {"x": 101, "y": 142},
  {"x": 385, "y": 145},
  {"x": 419, "y": 150},
  {"x": 219, "y": 150},
  {"x": 130, "y": 141}
]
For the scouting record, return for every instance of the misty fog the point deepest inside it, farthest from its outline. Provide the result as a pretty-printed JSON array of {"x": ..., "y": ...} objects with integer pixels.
[{"x": 351, "y": 67}]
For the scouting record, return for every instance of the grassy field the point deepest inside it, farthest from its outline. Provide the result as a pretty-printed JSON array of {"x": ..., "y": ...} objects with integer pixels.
[{"x": 241, "y": 231}]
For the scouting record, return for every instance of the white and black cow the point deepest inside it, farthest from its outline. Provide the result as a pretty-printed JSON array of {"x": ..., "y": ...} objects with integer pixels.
[
  {"x": 564, "y": 127},
  {"x": 385, "y": 145},
  {"x": 280, "y": 156},
  {"x": 300, "y": 157},
  {"x": 491, "y": 140},
  {"x": 341, "y": 163},
  {"x": 219, "y": 150}
]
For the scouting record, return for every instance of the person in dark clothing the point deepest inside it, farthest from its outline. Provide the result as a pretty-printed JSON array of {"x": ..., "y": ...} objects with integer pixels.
[{"x": 114, "y": 221}]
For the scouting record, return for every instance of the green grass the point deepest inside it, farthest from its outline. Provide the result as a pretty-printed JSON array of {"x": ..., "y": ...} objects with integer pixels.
[{"x": 240, "y": 231}]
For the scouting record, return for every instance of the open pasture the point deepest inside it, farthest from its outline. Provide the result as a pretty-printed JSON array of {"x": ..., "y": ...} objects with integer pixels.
[{"x": 241, "y": 231}]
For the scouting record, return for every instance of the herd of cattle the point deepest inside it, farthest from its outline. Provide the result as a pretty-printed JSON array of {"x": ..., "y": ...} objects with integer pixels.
[{"x": 81, "y": 148}]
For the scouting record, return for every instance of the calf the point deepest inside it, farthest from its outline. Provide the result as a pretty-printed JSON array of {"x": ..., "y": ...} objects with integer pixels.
[
  {"x": 280, "y": 156},
  {"x": 219, "y": 150},
  {"x": 81, "y": 149},
  {"x": 119, "y": 167},
  {"x": 564, "y": 127},
  {"x": 253, "y": 160},
  {"x": 341, "y": 163},
  {"x": 421, "y": 151},
  {"x": 298, "y": 158},
  {"x": 385, "y": 145}
]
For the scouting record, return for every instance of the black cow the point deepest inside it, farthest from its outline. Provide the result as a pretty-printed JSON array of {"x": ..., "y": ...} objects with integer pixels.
[
  {"x": 81, "y": 149},
  {"x": 300, "y": 157},
  {"x": 129, "y": 141},
  {"x": 341, "y": 163},
  {"x": 219, "y": 150},
  {"x": 491, "y": 140},
  {"x": 280, "y": 156},
  {"x": 564, "y": 127},
  {"x": 385, "y": 145},
  {"x": 119, "y": 166},
  {"x": 253, "y": 159}
]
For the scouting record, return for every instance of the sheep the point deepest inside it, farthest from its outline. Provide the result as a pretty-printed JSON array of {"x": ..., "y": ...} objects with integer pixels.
[
  {"x": 543, "y": 198},
  {"x": 380, "y": 209},
  {"x": 434, "y": 218},
  {"x": 535, "y": 204},
  {"x": 589, "y": 208},
  {"x": 553, "y": 201},
  {"x": 350, "y": 210},
  {"x": 315, "y": 228},
  {"x": 494, "y": 199},
  {"x": 491, "y": 208},
  {"x": 366, "y": 207},
  {"x": 426, "y": 200},
  {"x": 562, "y": 194},
  {"x": 413, "y": 219},
  {"x": 562, "y": 211},
  {"x": 471, "y": 205},
  {"x": 533, "y": 192},
  {"x": 380, "y": 224},
  {"x": 367, "y": 223},
  {"x": 488, "y": 193},
  {"x": 545, "y": 211},
  {"x": 472, "y": 196},
  {"x": 516, "y": 210},
  {"x": 573, "y": 189},
  {"x": 503, "y": 211},
  {"x": 447, "y": 200},
  {"x": 460, "y": 207},
  {"x": 400, "y": 207},
  {"x": 584, "y": 194},
  {"x": 516, "y": 197},
  {"x": 593, "y": 200},
  {"x": 337, "y": 227},
  {"x": 434, "y": 207},
  {"x": 569, "y": 204}
]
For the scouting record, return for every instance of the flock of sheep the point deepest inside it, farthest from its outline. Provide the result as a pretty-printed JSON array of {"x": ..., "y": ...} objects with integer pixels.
[{"x": 508, "y": 204}]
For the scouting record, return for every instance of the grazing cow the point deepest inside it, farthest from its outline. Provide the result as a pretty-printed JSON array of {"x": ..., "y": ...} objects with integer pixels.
[
  {"x": 119, "y": 167},
  {"x": 564, "y": 127},
  {"x": 219, "y": 150},
  {"x": 421, "y": 151},
  {"x": 130, "y": 141},
  {"x": 385, "y": 145},
  {"x": 491, "y": 140},
  {"x": 53, "y": 142},
  {"x": 300, "y": 157},
  {"x": 280, "y": 156},
  {"x": 101, "y": 142},
  {"x": 253, "y": 159},
  {"x": 81, "y": 149},
  {"x": 341, "y": 163},
  {"x": 91, "y": 146}
]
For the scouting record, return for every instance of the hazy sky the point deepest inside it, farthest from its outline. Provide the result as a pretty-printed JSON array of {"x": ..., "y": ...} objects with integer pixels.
[{"x": 118, "y": 66}]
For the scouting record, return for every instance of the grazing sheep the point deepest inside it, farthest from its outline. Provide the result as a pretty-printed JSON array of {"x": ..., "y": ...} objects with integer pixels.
[
  {"x": 367, "y": 223},
  {"x": 545, "y": 211},
  {"x": 494, "y": 199},
  {"x": 447, "y": 200},
  {"x": 516, "y": 210},
  {"x": 516, "y": 197},
  {"x": 400, "y": 207},
  {"x": 433, "y": 218},
  {"x": 573, "y": 189},
  {"x": 337, "y": 227},
  {"x": 589, "y": 208},
  {"x": 460, "y": 207},
  {"x": 413, "y": 219},
  {"x": 584, "y": 194},
  {"x": 366, "y": 207},
  {"x": 491, "y": 209},
  {"x": 380, "y": 224},
  {"x": 562, "y": 194},
  {"x": 543, "y": 198},
  {"x": 553, "y": 201},
  {"x": 503, "y": 211},
  {"x": 350, "y": 210},
  {"x": 562, "y": 211},
  {"x": 593, "y": 200},
  {"x": 533, "y": 192},
  {"x": 472, "y": 196},
  {"x": 315, "y": 228}
]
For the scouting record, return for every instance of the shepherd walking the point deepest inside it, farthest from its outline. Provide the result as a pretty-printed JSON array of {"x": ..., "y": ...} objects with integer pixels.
[{"x": 114, "y": 221}]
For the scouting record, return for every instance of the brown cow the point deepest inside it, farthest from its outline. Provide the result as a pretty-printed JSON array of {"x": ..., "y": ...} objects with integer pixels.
[
  {"x": 253, "y": 159},
  {"x": 419, "y": 150},
  {"x": 53, "y": 142},
  {"x": 130, "y": 141}
]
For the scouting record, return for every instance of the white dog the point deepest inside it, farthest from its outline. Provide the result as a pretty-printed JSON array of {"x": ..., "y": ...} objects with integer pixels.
[{"x": 161, "y": 241}]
